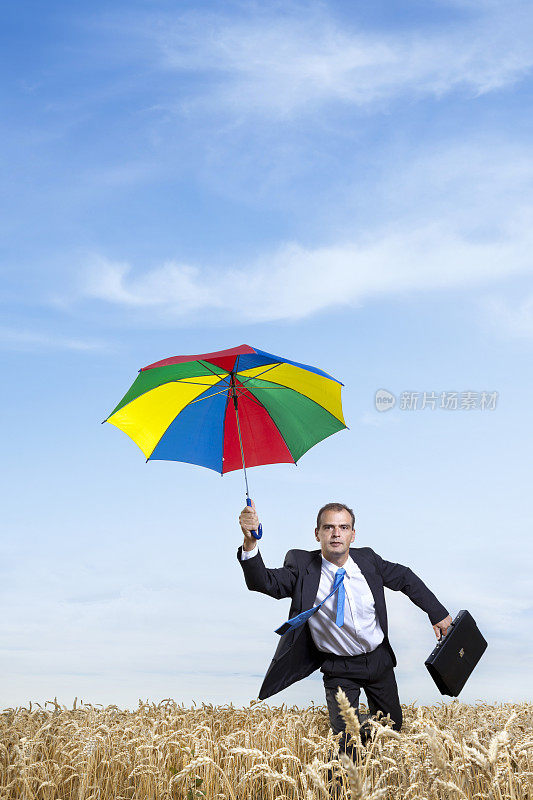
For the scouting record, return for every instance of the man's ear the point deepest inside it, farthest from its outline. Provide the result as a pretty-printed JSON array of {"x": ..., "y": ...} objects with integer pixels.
[
  {"x": 316, "y": 535},
  {"x": 353, "y": 536}
]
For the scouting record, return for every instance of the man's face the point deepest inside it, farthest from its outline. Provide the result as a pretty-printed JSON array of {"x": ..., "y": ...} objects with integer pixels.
[{"x": 335, "y": 533}]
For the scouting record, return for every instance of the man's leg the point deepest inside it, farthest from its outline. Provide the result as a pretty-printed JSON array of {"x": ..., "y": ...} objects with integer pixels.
[
  {"x": 339, "y": 673},
  {"x": 381, "y": 689},
  {"x": 352, "y": 690}
]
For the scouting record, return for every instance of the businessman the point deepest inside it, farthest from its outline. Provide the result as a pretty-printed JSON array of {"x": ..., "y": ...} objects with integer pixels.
[{"x": 338, "y": 618}]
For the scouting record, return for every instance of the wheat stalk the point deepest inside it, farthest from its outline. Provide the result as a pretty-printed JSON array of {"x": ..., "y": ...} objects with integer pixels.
[{"x": 166, "y": 751}]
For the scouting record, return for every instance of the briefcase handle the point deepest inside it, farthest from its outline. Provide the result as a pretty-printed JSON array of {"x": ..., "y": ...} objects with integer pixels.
[{"x": 442, "y": 636}]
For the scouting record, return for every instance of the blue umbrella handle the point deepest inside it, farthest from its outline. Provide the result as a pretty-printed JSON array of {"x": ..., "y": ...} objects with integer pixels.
[{"x": 256, "y": 534}]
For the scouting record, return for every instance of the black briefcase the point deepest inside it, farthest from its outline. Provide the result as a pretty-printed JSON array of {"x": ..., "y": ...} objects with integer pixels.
[{"x": 455, "y": 656}]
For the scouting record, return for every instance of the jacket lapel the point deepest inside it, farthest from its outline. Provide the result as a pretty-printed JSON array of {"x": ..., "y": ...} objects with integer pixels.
[
  {"x": 311, "y": 581},
  {"x": 371, "y": 578}
]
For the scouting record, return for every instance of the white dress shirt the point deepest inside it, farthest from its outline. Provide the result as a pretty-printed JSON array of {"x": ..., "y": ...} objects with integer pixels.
[{"x": 361, "y": 631}]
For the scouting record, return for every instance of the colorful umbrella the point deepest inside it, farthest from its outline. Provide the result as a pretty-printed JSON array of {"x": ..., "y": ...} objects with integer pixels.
[{"x": 229, "y": 410}]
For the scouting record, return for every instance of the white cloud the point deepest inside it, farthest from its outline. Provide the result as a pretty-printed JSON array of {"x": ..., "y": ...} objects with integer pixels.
[
  {"x": 295, "y": 282},
  {"x": 286, "y": 63},
  {"x": 448, "y": 219},
  {"x": 161, "y": 286}
]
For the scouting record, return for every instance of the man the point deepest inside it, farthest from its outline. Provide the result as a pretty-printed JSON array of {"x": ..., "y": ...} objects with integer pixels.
[{"x": 338, "y": 618}]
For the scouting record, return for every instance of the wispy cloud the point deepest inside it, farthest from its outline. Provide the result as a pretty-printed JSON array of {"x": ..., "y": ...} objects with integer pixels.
[
  {"x": 449, "y": 220},
  {"x": 30, "y": 340},
  {"x": 286, "y": 63},
  {"x": 295, "y": 282}
]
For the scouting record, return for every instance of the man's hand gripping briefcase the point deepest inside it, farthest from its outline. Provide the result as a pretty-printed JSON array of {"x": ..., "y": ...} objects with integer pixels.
[{"x": 454, "y": 658}]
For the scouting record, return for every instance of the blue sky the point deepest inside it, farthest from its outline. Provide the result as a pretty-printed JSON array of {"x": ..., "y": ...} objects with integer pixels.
[{"x": 344, "y": 184}]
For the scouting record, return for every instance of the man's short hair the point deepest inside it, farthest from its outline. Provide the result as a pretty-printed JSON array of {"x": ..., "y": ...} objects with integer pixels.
[{"x": 335, "y": 507}]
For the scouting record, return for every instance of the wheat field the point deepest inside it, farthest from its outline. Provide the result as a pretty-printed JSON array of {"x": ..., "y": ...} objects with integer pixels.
[{"x": 162, "y": 751}]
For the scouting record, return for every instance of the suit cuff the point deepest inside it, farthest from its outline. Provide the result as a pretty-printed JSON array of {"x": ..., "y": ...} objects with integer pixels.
[
  {"x": 437, "y": 614},
  {"x": 247, "y": 554}
]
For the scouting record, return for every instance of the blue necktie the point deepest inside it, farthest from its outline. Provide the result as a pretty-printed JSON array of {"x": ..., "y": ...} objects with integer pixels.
[{"x": 295, "y": 622}]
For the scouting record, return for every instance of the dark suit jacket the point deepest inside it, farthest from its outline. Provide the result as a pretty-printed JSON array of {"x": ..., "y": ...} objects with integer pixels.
[{"x": 296, "y": 655}]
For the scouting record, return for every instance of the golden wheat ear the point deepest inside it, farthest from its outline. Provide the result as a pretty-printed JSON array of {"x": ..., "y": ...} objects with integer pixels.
[{"x": 167, "y": 751}]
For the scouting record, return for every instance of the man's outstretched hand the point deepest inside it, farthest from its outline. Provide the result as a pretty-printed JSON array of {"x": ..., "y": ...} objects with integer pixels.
[
  {"x": 249, "y": 521},
  {"x": 441, "y": 628}
]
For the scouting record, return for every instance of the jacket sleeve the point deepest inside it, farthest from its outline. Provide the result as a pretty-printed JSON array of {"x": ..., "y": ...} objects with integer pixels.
[
  {"x": 277, "y": 583},
  {"x": 403, "y": 579}
]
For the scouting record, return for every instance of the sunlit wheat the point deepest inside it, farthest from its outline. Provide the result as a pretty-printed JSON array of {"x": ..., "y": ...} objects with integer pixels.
[{"x": 165, "y": 751}]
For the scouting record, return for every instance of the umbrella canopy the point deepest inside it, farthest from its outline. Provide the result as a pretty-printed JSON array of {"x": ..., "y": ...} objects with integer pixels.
[{"x": 202, "y": 409}]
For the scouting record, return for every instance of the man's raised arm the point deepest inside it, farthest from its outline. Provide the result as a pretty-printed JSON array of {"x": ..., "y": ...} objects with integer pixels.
[{"x": 277, "y": 583}]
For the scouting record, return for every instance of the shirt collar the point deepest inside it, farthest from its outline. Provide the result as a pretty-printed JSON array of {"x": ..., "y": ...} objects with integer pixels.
[{"x": 350, "y": 567}]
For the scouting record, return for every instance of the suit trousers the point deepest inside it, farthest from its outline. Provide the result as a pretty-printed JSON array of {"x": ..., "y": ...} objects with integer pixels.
[{"x": 372, "y": 672}]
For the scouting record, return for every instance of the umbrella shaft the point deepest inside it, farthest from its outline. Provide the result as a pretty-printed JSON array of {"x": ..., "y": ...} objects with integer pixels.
[{"x": 235, "y": 403}]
